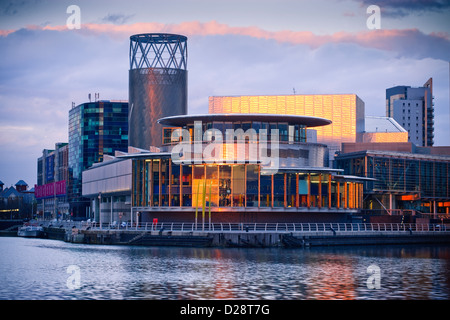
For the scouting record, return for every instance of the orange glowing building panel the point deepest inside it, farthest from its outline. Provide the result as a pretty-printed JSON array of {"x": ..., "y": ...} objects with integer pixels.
[{"x": 346, "y": 111}]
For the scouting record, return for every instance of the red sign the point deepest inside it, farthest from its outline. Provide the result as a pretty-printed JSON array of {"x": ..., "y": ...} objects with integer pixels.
[{"x": 49, "y": 190}]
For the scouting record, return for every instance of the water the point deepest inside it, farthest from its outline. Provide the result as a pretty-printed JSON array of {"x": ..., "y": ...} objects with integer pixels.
[{"x": 38, "y": 269}]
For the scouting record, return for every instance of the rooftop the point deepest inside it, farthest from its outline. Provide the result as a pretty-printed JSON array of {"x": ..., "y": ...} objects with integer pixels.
[
  {"x": 382, "y": 124},
  {"x": 21, "y": 183},
  {"x": 182, "y": 120},
  {"x": 396, "y": 154}
]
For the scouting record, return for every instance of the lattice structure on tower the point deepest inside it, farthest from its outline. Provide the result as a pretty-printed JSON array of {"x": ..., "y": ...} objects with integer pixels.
[{"x": 157, "y": 50}]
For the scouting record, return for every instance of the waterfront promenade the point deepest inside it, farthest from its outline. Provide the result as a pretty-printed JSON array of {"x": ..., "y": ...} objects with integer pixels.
[{"x": 248, "y": 234}]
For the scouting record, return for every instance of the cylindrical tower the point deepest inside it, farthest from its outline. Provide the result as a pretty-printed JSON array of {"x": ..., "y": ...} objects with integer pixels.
[{"x": 157, "y": 85}]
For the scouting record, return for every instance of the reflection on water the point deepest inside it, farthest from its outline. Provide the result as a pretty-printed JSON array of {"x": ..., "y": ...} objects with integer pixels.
[{"x": 37, "y": 269}]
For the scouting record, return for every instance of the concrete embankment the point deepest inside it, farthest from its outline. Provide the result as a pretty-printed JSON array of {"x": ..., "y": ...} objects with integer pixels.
[
  {"x": 254, "y": 238},
  {"x": 8, "y": 228}
]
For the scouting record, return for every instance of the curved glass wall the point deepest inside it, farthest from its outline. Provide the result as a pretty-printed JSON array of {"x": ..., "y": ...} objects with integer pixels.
[
  {"x": 161, "y": 183},
  {"x": 287, "y": 133}
]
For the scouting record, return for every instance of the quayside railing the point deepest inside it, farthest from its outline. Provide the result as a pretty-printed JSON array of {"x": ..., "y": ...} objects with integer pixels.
[{"x": 274, "y": 227}]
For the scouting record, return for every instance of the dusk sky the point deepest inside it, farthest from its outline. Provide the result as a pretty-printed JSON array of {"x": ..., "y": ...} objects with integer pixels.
[{"x": 242, "y": 47}]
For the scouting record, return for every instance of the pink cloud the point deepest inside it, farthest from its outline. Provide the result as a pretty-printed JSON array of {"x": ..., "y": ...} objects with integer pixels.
[{"x": 383, "y": 39}]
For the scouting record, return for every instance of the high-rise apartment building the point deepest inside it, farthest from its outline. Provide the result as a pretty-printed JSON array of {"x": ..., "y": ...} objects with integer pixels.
[
  {"x": 95, "y": 129},
  {"x": 346, "y": 111},
  {"x": 413, "y": 108}
]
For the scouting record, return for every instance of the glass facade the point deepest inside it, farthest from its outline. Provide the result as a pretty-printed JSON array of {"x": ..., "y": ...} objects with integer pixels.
[
  {"x": 403, "y": 181},
  {"x": 95, "y": 129},
  {"x": 288, "y": 133},
  {"x": 156, "y": 183}
]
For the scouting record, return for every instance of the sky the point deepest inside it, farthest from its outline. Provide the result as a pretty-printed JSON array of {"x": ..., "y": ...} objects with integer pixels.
[{"x": 235, "y": 47}]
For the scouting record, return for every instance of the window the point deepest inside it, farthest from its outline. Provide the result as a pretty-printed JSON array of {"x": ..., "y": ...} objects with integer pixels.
[
  {"x": 155, "y": 179},
  {"x": 212, "y": 187},
  {"x": 225, "y": 186},
  {"x": 252, "y": 185},
  {"x": 278, "y": 190},
  {"x": 197, "y": 183},
  {"x": 165, "y": 182},
  {"x": 283, "y": 132},
  {"x": 291, "y": 189},
  {"x": 175, "y": 185},
  {"x": 266, "y": 190},
  {"x": 186, "y": 182},
  {"x": 238, "y": 185}
]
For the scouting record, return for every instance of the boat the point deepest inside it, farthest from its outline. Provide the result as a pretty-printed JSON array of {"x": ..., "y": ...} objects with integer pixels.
[{"x": 31, "y": 232}]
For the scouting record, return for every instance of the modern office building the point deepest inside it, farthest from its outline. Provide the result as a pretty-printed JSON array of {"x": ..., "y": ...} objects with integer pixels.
[
  {"x": 278, "y": 177},
  {"x": 108, "y": 186},
  {"x": 96, "y": 129},
  {"x": 346, "y": 112},
  {"x": 52, "y": 178},
  {"x": 405, "y": 182},
  {"x": 157, "y": 85},
  {"x": 413, "y": 109}
]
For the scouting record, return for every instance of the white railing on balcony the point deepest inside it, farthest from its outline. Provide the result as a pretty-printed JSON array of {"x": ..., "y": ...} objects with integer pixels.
[{"x": 274, "y": 227}]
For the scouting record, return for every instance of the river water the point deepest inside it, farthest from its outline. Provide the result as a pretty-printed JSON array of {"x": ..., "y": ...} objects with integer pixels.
[{"x": 50, "y": 269}]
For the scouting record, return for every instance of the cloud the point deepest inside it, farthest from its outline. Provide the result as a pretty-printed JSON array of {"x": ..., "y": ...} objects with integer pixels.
[
  {"x": 117, "y": 18},
  {"x": 401, "y": 42},
  {"x": 401, "y": 8},
  {"x": 11, "y": 8}
]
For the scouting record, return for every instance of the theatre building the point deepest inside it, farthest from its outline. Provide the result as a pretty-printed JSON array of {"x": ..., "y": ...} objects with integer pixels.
[{"x": 240, "y": 168}]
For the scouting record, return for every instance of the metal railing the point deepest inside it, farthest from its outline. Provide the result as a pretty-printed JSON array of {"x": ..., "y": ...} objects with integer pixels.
[{"x": 274, "y": 227}]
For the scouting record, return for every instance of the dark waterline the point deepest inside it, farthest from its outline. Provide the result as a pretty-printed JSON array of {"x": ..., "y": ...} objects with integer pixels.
[{"x": 40, "y": 269}]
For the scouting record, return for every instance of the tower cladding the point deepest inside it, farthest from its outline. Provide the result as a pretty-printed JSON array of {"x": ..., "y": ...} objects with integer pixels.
[{"x": 157, "y": 85}]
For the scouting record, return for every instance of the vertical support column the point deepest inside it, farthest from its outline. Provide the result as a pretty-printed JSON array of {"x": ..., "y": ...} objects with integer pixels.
[
  {"x": 320, "y": 191},
  {"x": 338, "y": 195},
  {"x": 259, "y": 186},
  {"x": 390, "y": 203},
  {"x": 111, "y": 217},
  {"x": 232, "y": 184},
  {"x": 271, "y": 201},
  {"x": 159, "y": 182},
  {"x": 426, "y": 118},
  {"x": 361, "y": 195},
  {"x": 285, "y": 189},
  {"x": 329, "y": 191},
  {"x": 308, "y": 198},
  {"x": 142, "y": 178},
  {"x": 150, "y": 182},
  {"x": 345, "y": 195},
  {"x": 245, "y": 185},
  {"x": 297, "y": 196},
  {"x": 100, "y": 209},
  {"x": 180, "y": 183},
  {"x": 170, "y": 183}
]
